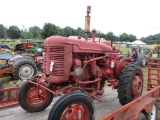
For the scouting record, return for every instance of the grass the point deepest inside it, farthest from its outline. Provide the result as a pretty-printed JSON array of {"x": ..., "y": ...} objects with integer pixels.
[
  {"x": 12, "y": 44},
  {"x": 124, "y": 50}
]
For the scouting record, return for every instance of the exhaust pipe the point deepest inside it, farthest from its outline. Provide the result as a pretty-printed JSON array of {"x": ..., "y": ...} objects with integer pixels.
[{"x": 87, "y": 23}]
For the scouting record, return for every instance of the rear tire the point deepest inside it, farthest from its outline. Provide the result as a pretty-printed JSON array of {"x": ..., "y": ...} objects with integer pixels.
[
  {"x": 72, "y": 104},
  {"x": 129, "y": 77},
  {"x": 31, "y": 102},
  {"x": 24, "y": 68}
]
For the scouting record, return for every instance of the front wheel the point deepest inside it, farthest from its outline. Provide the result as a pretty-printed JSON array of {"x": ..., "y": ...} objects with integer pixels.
[
  {"x": 130, "y": 83},
  {"x": 34, "y": 99},
  {"x": 73, "y": 106}
]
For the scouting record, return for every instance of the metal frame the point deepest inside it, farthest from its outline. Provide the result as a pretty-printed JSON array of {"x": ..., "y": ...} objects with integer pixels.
[{"x": 10, "y": 97}]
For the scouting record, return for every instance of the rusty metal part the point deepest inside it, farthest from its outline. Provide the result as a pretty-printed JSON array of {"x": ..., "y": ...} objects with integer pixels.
[
  {"x": 6, "y": 71},
  {"x": 121, "y": 65},
  {"x": 36, "y": 96},
  {"x": 87, "y": 23},
  {"x": 61, "y": 55},
  {"x": 143, "y": 105},
  {"x": 10, "y": 97},
  {"x": 153, "y": 73},
  {"x": 76, "y": 111},
  {"x": 37, "y": 84},
  {"x": 136, "y": 86},
  {"x": 23, "y": 46}
]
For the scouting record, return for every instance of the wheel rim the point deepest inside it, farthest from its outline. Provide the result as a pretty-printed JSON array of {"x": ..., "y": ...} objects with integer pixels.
[
  {"x": 26, "y": 71},
  {"x": 77, "y": 111},
  {"x": 137, "y": 85},
  {"x": 36, "y": 96},
  {"x": 153, "y": 112}
]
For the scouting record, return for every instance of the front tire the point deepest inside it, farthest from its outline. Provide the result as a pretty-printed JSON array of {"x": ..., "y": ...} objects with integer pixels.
[
  {"x": 130, "y": 83},
  {"x": 75, "y": 105},
  {"x": 30, "y": 101}
]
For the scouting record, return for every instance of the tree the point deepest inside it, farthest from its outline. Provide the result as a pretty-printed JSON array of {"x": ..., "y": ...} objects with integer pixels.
[
  {"x": 131, "y": 38},
  {"x": 13, "y": 32},
  {"x": 110, "y": 36},
  {"x": 2, "y": 31},
  {"x": 68, "y": 31},
  {"x": 123, "y": 37},
  {"x": 60, "y": 30},
  {"x": 79, "y": 31},
  {"x": 26, "y": 35},
  {"x": 48, "y": 30},
  {"x": 127, "y": 37},
  {"x": 36, "y": 31}
]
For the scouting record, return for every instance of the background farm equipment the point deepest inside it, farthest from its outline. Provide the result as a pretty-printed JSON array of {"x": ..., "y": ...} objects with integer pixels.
[
  {"x": 5, "y": 46},
  {"x": 23, "y": 46},
  {"x": 75, "y": 64},
  {"x": 138, "y": 56},
  {"x": 19, "y": 67}
]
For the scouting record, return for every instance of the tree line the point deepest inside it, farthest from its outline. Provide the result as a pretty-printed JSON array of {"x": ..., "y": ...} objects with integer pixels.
[
  {"x": 50, "y": 29},
  {"x": 152, "y": 39}
]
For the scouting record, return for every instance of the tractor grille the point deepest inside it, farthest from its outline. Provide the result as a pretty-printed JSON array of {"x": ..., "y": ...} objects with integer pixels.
[{"x": 56, "y": 54}]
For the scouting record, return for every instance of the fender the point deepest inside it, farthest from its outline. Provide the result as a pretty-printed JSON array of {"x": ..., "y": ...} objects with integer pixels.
[
  {"x": 143, "y": 105},
  {"x": 121, "y": 65}
]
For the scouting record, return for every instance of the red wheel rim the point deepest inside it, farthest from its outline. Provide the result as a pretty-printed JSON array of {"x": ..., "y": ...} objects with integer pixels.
[
  {"x": 76, "y": 111},
  {"x": 36, "y": 96},
  {"x": 137, "y": 85}
]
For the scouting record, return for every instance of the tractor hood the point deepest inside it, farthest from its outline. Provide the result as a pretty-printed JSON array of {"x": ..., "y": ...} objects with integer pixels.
[{"x": 79, "y": 45}]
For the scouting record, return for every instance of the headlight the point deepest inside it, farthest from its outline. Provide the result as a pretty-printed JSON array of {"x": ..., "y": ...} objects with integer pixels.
[{"x": 78, "y": 72}]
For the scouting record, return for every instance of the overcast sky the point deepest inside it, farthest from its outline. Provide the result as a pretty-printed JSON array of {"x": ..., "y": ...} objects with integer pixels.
[{"x": 137, "y": 17}]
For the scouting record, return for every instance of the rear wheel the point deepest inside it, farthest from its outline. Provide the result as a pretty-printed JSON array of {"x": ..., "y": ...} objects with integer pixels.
[
  {"x": 34, "y": 99},
  {"x": 130, "y": 83},
  {"x": 24, "y": 68},
  {"x": 73, "y": 106}
]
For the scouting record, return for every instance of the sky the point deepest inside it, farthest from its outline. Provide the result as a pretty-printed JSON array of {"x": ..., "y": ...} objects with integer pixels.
[{"x": 138, "y": 17}]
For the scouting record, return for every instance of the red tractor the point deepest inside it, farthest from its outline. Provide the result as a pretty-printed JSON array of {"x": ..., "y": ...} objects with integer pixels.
[{"x": 74, "y": 64}]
